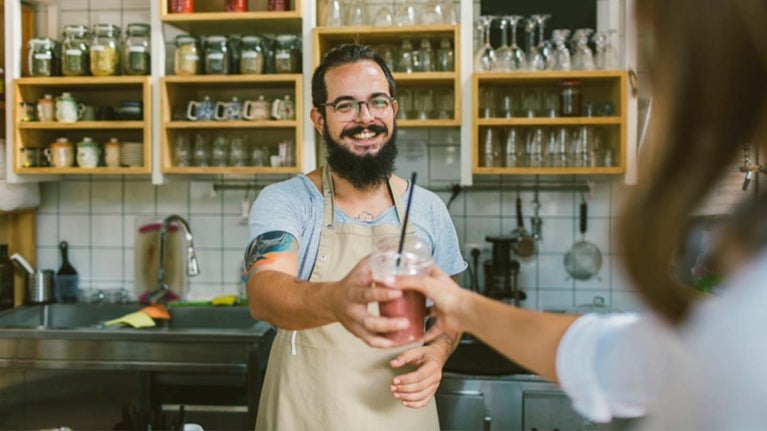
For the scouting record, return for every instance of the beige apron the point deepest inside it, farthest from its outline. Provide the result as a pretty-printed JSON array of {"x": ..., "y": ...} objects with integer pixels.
[{"x": 325, "y": 378}]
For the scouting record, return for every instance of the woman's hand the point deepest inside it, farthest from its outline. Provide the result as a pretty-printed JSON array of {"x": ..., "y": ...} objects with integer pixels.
[{"x": 449, "y": 299}]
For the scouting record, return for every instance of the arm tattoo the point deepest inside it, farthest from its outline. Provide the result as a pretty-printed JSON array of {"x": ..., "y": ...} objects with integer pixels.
[{"x": 267, "y": 247}]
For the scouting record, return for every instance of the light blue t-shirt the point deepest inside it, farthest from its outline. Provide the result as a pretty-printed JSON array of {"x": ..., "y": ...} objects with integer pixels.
[{"x": 296, "y": 206}]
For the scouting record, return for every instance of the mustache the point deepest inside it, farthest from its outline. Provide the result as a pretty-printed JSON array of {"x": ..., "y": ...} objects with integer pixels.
[{"x": 375, "y": 128}]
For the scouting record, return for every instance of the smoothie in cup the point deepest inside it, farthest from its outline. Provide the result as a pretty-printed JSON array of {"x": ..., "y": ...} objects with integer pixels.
[{"x": 415, "y": 260}]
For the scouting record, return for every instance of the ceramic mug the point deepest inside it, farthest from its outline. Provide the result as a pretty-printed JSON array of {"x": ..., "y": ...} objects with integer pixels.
[
  {"x": 203, "y": 110},
  {"x": 67, "y": 109},
  {"x": 61, "y": 153},
  {"x": 26, "y": 112},
  {"x": 284, "y": 109},
  {"x": 89, "y": 113},
  {"x": 256, "y": 110},
  {"x": 46, "y": 108},
  {"x": 33, "y": 157},
  {"x": 228, "y": 110},
  {"x": 88, "y": 153}
]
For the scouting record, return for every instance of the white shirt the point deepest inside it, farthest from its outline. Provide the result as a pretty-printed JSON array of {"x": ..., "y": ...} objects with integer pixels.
[{"x": 710, "y": 373}]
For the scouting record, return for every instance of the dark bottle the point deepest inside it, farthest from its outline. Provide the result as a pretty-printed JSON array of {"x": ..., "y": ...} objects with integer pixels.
[
  {"x": 7, "y": 292},
  {"x": 67, "y": 279}
]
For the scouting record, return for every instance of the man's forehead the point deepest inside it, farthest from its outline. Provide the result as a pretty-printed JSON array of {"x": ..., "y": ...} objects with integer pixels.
[{"x": 359, "y": 79}]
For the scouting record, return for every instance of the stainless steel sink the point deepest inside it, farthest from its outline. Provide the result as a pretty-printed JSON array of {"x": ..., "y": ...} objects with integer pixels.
[
  {"x": 225, "y": 342},
  {"x": 94, "y": 316}
]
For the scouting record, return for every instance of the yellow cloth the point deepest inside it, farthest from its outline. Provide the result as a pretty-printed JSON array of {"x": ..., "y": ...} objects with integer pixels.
[{"x": 136, "y": 320}]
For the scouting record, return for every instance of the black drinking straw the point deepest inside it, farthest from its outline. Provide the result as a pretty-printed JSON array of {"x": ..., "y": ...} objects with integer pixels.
[{"x": 404, "y": 223}]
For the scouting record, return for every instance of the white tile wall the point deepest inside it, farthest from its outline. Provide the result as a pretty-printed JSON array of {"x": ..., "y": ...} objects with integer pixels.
[{"x": 97, "y": 216}]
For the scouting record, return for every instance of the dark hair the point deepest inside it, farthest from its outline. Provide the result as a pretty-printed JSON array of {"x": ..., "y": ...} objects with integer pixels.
[
  {"x": 338, "y": 56},
  {"x": 710, "y": 97}
]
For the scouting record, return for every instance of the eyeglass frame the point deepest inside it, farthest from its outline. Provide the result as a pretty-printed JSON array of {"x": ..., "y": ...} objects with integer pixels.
[{"x": 359, "y": 103}]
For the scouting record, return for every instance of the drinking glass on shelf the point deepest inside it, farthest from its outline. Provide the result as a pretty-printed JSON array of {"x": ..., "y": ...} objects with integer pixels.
[
  {"x": 405, "y": 103},
  {"x": 449, "y": 14},
  {"x": 513, "y": 148},
  {"x": 355, "y": 13},
  {"x": 424, "y": 104},
  {"x": 485, "y": 57},
  {"x": 605, "y": 55},
  {"x": 405, "y": 60},
  {"x": 201, "y": 153},
  {"x": 182, "y": 151},
  {"x": 404, "y": 13},
  {"x": 535, "y": 145},
  {"x": 487, "y": 105},
  {"x": 220, "y": 151},
  {"x": 431, "y": 13},
  {"x": 237, "y": 151},
  {"x": 445, "y": 104},
  {"x": 389, "y": 54},
  {"x": 535, "y": 60},
  {"x": 383, "y": 17},
  {"x": 550, "y": 104},
  {"x": 503, "y": 61},
  {"x": 583, "y": 57},
  {"x": 424, "y": 57},
  {"x": 445, "y": 56},
  {"x": 544, "y": 46},
  {"x": 561, "y": 53},
  {"x": 333, "y": 13},
  {"x": 563, "y": 146},
  {"x": 491, "y": 148}
]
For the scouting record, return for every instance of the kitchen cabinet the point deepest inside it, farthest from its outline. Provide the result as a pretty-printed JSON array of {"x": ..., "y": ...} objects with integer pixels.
[
  {"x": 91, "y": 91},
  {"x": 426, "y": 99},
  {"x": 17, "y": 229},
  {"x": 261, "y": 140},
  {"x": 526, "y": 102}
]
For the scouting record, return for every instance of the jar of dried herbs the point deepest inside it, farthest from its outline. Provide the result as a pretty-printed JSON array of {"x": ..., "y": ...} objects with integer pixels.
[
  {"x": 42, "y": 57},
  {"x": 251, "y": 56},
  {"x": 136, "y": 57},
  {"x": 216, "y": 56},
  {"x": 75, "y": 51},
  {"x": 105, "y": 53},
  {"x": 187, "y": 58}
]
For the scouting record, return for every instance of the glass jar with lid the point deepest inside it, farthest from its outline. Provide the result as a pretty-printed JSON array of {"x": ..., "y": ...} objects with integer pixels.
[
  {"x": 75, "y": 51},
  {"x": 105, "y": 53},
  {"x": 42, "y": 57},
  {"x": 251, "y": 56},
  {"x": 187, "y": 58},
  {"x": 216, "y": 55},
  {"x": 286, "y": 54},
  {"x": 136, "y": 57}
]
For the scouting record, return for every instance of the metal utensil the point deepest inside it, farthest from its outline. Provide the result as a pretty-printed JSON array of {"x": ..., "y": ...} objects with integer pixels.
[
  {"x": 524, "y": 246},
  {"x": 583, "y": 260}
]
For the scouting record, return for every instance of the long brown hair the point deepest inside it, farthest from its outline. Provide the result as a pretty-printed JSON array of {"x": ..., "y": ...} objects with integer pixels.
[{"x": 708, "y": 67}]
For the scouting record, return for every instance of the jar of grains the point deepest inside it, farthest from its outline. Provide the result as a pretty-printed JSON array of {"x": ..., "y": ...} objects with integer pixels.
[
  {"x": 216, "y": 55},
  {"x": 187, "y": 59},
  {"x": 75, "y": 51},
  {"x": 251, "y": 56},
  {"x": 136, "y": 57},
  {"x": 105, "y": 55},
  {"x": 41, "y": 58}
]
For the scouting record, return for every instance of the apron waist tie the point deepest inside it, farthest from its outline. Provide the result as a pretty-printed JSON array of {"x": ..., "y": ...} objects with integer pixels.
[{"x": 293, "y": 343}]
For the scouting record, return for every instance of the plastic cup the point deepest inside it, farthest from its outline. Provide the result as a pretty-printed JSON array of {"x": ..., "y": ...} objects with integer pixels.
[{"x": 415, "y": 260}]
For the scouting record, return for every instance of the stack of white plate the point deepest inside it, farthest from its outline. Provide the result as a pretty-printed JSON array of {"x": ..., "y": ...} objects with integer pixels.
[{"x": 132, "y": 154}]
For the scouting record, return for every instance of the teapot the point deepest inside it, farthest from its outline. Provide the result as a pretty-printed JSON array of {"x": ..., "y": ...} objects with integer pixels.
[{"x": 68, "y": 110}]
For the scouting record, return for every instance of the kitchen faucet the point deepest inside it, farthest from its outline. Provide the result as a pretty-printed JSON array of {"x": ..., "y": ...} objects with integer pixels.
[{"x": 192, "y": 269}]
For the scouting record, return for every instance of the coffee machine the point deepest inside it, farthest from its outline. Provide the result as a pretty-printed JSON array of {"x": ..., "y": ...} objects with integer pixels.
[{"x": 501, "y": 271}]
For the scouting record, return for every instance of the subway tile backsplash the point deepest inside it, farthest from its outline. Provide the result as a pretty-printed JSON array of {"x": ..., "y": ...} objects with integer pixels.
[{"x": 99, "y": 217}]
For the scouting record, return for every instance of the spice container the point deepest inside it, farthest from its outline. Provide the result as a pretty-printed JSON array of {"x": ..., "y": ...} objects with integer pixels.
[
  {"x": 216, "y": 56},
  {"x": 570, "y": 99},
  {"x": 187, "y": 59},
  {"x": 75, "y": 57},
  {"x": 181, "y": 6},
  {"x": 42, "y": 57},
  {"x": 277, "y": 5},
  {"x": 286, "y": 54},
  {"x": 236, "y": 5},
  {"x": 251, "y": 56},
  {"x": 105, "y": 57},
  {"x": 136, "y": 58}
]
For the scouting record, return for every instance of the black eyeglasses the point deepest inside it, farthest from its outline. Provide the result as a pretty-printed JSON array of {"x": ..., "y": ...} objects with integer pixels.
[{"x": 346, "y": 109}]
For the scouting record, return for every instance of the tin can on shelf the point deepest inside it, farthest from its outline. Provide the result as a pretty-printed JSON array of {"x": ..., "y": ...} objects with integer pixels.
[
  {"x": 236, "y": 5},
  {"x": 181, "y": 6}
]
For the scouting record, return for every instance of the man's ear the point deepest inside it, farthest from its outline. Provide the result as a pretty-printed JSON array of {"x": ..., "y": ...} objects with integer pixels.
[{"x": 317, "y": 119}]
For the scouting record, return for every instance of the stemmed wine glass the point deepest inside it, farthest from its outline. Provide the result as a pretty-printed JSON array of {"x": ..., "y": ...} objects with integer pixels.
[
  {"x": 605, "y": 56},
  {"x": 485, "y": 57},
  {"x": 535, "y": 60},
  {"x": 509, "y": 58},
  {"x": 561, "y": 53},
  {"x": 583, "y": 58},
  {"x": 544, "y": 46}
]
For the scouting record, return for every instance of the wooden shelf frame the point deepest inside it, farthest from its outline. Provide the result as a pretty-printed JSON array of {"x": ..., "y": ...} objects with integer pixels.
[
  {"x": 89, "y": 90},
  {"x": 608, "y": 85}
]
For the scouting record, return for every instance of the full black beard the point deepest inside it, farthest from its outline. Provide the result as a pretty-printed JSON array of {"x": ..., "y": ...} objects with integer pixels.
[{"x": 367, "y": 171}]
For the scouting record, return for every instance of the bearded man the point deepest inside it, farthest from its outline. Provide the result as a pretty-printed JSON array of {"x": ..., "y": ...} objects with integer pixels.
[{"x": 331, "y": 366}]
